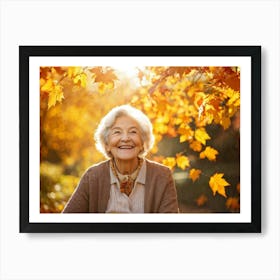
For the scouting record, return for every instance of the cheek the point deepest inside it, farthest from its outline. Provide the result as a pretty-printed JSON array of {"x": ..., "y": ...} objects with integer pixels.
[{"x": 139, "y": 141}]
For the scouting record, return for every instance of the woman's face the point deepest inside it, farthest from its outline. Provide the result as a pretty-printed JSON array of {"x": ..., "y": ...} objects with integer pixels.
[{"x": 124, "y": 141}]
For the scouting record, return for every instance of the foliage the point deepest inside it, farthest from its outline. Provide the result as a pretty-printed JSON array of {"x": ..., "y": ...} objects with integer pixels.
[{"x": 195, "y": 117}]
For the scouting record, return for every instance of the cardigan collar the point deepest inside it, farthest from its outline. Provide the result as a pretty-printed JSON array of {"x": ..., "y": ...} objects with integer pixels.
[{"x": 141, "y": 178}]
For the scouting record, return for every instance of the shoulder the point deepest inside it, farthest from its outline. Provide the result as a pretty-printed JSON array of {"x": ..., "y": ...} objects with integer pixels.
[
  {"x": 98, "y": 168},
  {"x": 156, "y": 167}
]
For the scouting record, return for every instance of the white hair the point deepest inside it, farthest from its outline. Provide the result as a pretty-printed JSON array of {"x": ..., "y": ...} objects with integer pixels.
[{"x": 145, "y": 125}]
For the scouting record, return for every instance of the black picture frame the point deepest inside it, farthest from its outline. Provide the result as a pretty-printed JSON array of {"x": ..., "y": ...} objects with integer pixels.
[{"x": 253, "y": 52}]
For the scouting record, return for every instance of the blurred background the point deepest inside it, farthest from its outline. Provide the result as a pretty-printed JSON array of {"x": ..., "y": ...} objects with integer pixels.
[{"x": 195, "y": 112}]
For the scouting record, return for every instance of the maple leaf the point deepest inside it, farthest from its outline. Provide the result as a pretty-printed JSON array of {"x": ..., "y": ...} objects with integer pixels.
[
  {"x": 74, "y": 71},
  {"x": 232, "y": 203},
  {"x": 201, "y": 200},
  {"x": 47, "y": 85},
  {"x": 81, "y": 79},
  {"x": 218, "y": 184},
  {"x": 210, "y": 153},
  {"x": 194, "y": 174},
  {"x": 160, "y": 128},
  {"x": 101, "y": 87},
  {"x": 225, "y": 122},
  {"x": 201, "y": 135},
  {"x": 182, "y": 162},
  {"x": 186, "y": 132},
  {"x": 56, "y": 95},
  {"x": 103, "y": 74},
  {"x": 196, "y": 146},
  {"x": 170, "y": 162}
]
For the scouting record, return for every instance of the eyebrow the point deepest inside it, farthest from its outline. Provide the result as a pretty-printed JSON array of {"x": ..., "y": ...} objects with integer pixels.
[{"x": 117, "y": 127}]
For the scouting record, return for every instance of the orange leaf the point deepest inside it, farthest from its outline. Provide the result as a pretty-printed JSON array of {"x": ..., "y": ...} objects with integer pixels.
[
  {"x": 218, "y": 184},
  {"x": 210, "y": 153},
  {"x": 201, "y": 200},
  {"x": 225, "y": 122},
  {"x": 194, "y": 174},
  {"x": 232, "y": 203},
  {"x": 196, "y": 146}
]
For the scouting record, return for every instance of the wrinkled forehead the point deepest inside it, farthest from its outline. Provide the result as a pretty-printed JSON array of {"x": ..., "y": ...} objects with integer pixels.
[{"x": 125, "y": 122}]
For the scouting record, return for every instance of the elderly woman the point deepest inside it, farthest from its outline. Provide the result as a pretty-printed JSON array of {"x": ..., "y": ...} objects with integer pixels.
[{"x": 127, "y": 182}]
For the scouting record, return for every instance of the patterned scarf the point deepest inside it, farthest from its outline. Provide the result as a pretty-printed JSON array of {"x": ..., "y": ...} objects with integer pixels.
[{"x": 126, "y": 181}]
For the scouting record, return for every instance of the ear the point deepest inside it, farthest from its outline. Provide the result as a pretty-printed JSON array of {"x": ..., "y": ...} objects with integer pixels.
[{"x": 107, "y": 148}]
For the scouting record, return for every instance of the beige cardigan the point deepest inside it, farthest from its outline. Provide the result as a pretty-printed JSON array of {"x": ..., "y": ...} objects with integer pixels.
[{"x": 93, "y": 191}]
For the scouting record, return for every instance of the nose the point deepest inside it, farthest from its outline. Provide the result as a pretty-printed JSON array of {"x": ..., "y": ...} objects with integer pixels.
[{"x": 125, "y": 137}]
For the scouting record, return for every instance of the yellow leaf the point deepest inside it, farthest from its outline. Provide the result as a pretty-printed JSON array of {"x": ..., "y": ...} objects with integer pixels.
[
  {"x": 194, "y": 174},
  {"x": 170, "y": 162},
  {"x": 42, "y": 82},
  {"x": 186, "y": 133},
  {"x": 201, "y": 135},
  {"x": 183, "y": 162},
  {"x": 73, "y": 71},
  {"x": 196, "y": 146},
  {"x": 56, "y": 95},
  {"x": 160, "y": 128},
  {"x": 234, "y": 97},
  {"x": 110, "y": 85},
  {"x": 81, "y": 79},
  {"x": 52, "y": 99},
  {"x": 210, "y": 153},
  {"x": 183, "y": 138},
  {"x": 47, "y": 86},
  {"x": 101, "y": 87},
  {"x": 218, "y": 184}
]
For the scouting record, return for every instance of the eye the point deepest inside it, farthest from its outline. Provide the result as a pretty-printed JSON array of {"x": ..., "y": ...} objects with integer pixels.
[
  {"x": 116, "y": 132},
  {"x": 134, "y": 131}
]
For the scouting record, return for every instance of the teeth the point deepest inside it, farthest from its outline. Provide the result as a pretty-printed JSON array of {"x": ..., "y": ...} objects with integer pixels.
[{"x": 126, "y": 147}]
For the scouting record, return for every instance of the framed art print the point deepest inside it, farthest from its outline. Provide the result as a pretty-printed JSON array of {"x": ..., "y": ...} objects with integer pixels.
[{"x": 204, "y": 105}]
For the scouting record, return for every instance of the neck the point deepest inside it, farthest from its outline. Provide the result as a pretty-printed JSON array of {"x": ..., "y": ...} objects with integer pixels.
[{"x": 126, "y": 167}]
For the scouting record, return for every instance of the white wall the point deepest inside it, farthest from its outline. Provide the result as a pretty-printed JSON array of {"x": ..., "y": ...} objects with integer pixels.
[{"x": 151, "y": 256}]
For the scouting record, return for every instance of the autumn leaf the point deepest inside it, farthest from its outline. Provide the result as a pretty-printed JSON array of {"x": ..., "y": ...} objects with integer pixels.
[
  {"x": 201, "y": 135},
  {"x": 234, "y": 97},
  {"x": 196, "y": 146},
  {"x": 103, "y": 74},
  {"x": 181, "y": 104},
  {"x": 194, "y": 174},
  {"x": 182, "y": 162},
  {"x": 46, "y": 85},
  {"x": 201, "y": 200},
  {"x": 55, "y": 91},
  {"x": 209, "y": 153},
  {"x": 218, "y": 184},
  {"x": 232, "y": 203},
  {"x": 160, "y": 128},
  {"x": 56, "y": 95},
  {"x": 81, "y": 79},
  {"x": 225, "y": 122},
  {"x": 170, "y": 162},
  {"x": 73, "y": 71}
]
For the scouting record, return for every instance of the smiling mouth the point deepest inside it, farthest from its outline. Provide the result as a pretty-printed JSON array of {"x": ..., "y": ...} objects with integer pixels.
[{"x": 126, "y": 147}]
